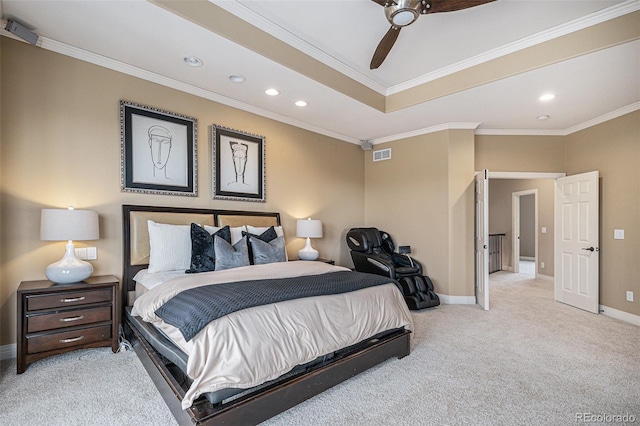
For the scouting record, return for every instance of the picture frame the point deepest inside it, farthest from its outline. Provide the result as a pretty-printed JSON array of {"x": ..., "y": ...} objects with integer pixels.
[
  {"x": 158, "y": 151},
  {"x": 238, "y": 165}
]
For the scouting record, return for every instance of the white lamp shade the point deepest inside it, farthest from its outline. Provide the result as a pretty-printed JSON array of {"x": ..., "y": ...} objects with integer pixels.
[
  {"x": 68, "y": 224},
  {"x": 309, "y": 228}
]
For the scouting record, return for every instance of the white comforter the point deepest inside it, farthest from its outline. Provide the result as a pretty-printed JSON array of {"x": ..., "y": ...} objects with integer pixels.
[{"x": 251, "y": 346}]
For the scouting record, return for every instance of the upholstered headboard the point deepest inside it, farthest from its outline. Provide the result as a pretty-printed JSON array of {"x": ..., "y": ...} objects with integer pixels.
[{"x": 135, "y": 233}]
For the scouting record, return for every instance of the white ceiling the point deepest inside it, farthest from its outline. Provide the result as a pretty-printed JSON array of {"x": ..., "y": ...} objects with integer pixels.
[{"x": 149, "y": 41}]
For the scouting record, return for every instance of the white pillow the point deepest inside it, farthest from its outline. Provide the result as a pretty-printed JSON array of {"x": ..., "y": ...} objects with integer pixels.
[
  {"x": 236, "y": 233},
  {"x": 170, "y": 247}
]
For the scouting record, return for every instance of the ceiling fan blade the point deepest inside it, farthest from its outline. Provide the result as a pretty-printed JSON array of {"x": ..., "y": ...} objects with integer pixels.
[
  {"x": 451, "y": 5},
  {"x": 384, "y": 47}
]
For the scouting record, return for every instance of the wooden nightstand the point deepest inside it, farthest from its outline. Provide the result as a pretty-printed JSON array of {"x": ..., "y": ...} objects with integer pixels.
[{"x": 57, "y": 318}]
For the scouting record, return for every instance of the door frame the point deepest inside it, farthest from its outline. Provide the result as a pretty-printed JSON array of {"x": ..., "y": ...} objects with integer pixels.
[
  {"x": 515, "y": 228},
  {"x": 481, "y": 238},
  {"x": 521, "y": 175}
]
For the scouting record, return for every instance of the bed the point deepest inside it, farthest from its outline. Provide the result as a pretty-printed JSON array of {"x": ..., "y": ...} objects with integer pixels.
[{"x": 273, "y": 355}]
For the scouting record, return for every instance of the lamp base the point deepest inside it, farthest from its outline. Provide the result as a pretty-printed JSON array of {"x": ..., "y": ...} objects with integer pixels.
[
  {"x": 308, "y": 252},
  {"x": 69, "y": 269}
]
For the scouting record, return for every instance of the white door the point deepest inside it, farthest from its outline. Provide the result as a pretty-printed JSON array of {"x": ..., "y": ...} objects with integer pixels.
[
  {"x": 482, "y": 239},
  {"x": 576, "y": 241}
]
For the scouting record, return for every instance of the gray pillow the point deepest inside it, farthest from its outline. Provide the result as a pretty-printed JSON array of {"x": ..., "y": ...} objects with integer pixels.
[
  {"x": 228, "y": 256},
  {"x": 268, "y": 252}
]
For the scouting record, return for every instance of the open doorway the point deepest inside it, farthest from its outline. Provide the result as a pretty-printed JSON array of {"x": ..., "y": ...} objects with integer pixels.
[
  {"x": 524, "y": 213},
  {"x": 502, "y": 188}
]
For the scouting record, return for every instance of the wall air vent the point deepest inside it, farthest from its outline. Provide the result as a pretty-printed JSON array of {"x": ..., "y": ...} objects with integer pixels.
[{"x": 381, "y": 155}]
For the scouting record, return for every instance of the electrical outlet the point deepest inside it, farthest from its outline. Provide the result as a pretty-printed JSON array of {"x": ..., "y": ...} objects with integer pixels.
[
  {"x": 629, "y": 296},
  {"x": 541, "y": 265}
]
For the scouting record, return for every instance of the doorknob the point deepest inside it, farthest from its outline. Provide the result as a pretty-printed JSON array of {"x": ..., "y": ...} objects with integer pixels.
[{"x": 591, "y": 248}]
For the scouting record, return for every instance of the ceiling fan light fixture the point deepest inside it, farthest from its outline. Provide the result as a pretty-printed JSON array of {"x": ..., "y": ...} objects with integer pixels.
[{"x": 403, "y": 12}]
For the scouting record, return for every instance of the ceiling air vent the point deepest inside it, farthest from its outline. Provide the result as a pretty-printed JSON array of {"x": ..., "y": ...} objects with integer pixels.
[{"x": 383, "y": 154}]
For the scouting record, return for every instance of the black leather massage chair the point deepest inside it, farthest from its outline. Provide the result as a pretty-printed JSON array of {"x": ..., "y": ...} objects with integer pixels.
[{"x": 373, "y": 251}]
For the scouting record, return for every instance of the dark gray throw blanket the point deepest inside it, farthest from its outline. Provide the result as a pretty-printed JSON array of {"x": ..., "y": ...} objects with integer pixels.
[{"x": 191, "y": 310}]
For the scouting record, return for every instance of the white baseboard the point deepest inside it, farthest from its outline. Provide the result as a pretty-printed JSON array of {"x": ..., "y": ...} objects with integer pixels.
[
  {"x": 457, "y": 300},
  {"x": 621, "y": 315},
  {"x": 8, "y": 352}
]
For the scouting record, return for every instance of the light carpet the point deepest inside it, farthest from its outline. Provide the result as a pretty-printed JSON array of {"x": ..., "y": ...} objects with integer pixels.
[
  {"x": 529, "y": 360},
  {"x": 81, "y": 388}
]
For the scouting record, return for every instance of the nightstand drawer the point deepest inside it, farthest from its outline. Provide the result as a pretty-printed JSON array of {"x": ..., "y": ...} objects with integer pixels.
[
  {"x": 62, "y": 299},
  {"x": 82, "y": 336},
  {"x": 68, "y": 318},
  {"x": 54, "y": 319}
]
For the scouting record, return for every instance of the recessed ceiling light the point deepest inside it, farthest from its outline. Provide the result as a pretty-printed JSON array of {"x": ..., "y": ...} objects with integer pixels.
[
  {"x": 237, "y": 78},
  {"x": 547, "y": 97},
  {"x": 192, "y": 61},
  {"x": 272, "y": 92},
  {"x": 302, "y": 103},
  {"x": 543, "y": 117}
]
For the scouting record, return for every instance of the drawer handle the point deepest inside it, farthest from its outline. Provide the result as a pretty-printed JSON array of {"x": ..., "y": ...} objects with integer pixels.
[
  {"x": 79, "y": 317},
  {"x": 73, "y": 299},
  {"x": 71, "y": 340}
]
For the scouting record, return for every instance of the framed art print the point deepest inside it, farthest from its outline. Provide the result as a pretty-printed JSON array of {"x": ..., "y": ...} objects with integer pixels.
[
  {"x": 158, "y": 151},
  {"x": 238, "y": 165}
]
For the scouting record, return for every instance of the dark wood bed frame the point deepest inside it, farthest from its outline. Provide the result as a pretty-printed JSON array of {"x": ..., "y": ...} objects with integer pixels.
[{"x": 268, "y": 401}]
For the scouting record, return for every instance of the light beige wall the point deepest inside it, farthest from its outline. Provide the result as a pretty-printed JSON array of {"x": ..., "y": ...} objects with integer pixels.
[
  {"x": 61, "y": 146},
  {"x": 461, "y": 213},
  {"x": 520, "y": 153},
  {"x": 500, "y": 217},
  {"x": 423, "y": 197},
  {"x": 407, "y": 197},
  {"x": 613, "y": 148}
]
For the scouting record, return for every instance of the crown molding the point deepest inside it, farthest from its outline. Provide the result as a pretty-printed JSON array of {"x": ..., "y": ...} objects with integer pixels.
[
  {"x": 90, "y": 57},
  {"x": 562, "y": 132},
  {"x": 83, "y": 55},
  {"x": 426, "y": 130},
  {"x": 595, "y": 18},
  {"x": 605, "y": 117},
  {"x": 259, "y": 21},
  {"x": 287, "y": 37},
  {"x": 522, "y": 132}
]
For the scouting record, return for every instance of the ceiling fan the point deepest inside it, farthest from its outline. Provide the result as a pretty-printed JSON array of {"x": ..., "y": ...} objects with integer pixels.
[{"x": 401, "y": 13}]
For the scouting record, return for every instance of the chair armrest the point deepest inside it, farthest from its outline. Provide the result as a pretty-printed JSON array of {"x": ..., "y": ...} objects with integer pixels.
[
  {"x": 407, "y": 261},
  {"x": 373, "y": 264}
]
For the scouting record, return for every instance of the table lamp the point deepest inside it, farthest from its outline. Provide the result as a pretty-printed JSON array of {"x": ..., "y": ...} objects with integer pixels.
[
  {"x": 308, "y": 228},
  {"x": 69, "y": 225}
]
